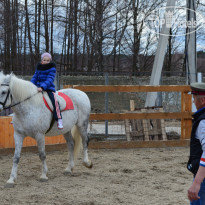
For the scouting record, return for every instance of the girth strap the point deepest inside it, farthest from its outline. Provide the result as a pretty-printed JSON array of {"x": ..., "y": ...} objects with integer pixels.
[{"x": 51, "y": 125}]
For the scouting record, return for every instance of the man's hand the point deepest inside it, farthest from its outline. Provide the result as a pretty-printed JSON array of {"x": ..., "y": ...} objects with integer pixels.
[{"x": 193, "y": 191}]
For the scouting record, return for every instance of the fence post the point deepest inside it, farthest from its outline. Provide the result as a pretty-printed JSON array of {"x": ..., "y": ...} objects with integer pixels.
[
  {"x": 56, "y": 81},
  {"x": 186, "y": 106},
  {"x": 106, "y": 104}
]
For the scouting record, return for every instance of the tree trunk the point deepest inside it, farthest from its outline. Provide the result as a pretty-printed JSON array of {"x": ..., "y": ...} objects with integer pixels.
[
  {"x": 45, "y": 13},
  {"x": 75, "y": 59},
  {"x": 99, "y": 35},
  {"x": 14, "y": 34},
  {"x": 39, "y": 29},
  {"x": 52, "y": 13},
  {"x": 7, "y": 34},
  {"x": 29, "y": 34},
  {"x": 136, "y": 44},
  {"x": 169, "y": 64}
]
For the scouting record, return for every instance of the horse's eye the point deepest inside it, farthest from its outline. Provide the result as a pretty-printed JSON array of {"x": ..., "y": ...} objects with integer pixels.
[{"x": 3, "y": 93}]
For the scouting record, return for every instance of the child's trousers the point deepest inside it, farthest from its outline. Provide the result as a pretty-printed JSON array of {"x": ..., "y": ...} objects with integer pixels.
[{"x": 56, "y": 107}]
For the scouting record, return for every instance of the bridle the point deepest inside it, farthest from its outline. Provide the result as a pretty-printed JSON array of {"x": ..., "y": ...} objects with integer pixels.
[{"x": 7, "y": 96}]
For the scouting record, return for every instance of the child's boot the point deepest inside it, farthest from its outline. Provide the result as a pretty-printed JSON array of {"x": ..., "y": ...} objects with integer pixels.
[{"x": 60, "y": 124}]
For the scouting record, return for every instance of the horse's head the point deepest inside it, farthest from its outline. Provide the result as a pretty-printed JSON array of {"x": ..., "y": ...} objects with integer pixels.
[{"x": 5, "y": 95}]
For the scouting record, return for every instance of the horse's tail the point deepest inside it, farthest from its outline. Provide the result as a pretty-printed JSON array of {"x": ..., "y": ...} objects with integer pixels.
[{"x": 77, "y": 141}]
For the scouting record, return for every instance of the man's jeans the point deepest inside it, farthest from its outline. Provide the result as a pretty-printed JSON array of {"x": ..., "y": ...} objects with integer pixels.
[{"x": 200, "y": 201}]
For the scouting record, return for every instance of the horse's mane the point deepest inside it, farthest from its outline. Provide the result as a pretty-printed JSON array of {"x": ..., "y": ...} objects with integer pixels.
[{"x": 22, "y": 89}]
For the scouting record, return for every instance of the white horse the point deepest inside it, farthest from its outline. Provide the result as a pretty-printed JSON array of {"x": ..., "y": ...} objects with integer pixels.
[{"x": 32, "y": 118}]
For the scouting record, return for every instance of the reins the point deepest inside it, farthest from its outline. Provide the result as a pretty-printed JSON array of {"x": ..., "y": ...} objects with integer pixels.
[
  {"x": 13, "y": 105},
  {"x": 10, "y": 106}
]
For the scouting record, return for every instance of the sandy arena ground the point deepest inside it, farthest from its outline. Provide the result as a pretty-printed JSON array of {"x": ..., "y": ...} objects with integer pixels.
[{"x": 120, "y": 176}]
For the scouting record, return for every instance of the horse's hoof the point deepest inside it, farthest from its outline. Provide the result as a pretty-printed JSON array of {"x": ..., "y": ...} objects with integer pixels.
[
  {"x": 9, "y": 185},
  {"x": 88, "y": 165},
  {"x": 67, "y": 173},
  {"x": 43, "y": 179}
]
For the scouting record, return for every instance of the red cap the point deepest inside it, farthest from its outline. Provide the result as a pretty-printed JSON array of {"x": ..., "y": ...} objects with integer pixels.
[{"x": 196, "y": 92}]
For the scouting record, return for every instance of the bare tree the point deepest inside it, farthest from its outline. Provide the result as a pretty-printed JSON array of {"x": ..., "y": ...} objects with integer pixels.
[
  {"x": 27, "y": 27},
  {"x": 7, "y": 34},
  {"x": 90, "y": 35},
  {"x": 46, "y": 22},
  {"x": 37, "y": 30}
]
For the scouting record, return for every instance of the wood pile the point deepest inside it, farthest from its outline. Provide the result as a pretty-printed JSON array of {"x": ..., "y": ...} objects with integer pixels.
[{"x": 145, "y": 129}]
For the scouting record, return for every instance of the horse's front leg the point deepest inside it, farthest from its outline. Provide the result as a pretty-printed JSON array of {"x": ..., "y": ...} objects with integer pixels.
[
  {"x": 18, "y": 146},
  {"x": 40, "y": 138}
]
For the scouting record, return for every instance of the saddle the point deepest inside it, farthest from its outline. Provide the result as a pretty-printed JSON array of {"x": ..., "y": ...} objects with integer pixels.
[{"x": 64, "y": 101}]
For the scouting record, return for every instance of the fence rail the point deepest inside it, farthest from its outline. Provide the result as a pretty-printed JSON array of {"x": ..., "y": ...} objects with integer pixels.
[
  {"x": 131, "y": 88},
  {"x": 186, "y": 104}
]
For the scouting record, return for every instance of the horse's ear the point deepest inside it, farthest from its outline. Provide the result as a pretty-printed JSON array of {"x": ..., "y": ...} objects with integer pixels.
[
  {"x": 2, "y": 77},
  {"x": 7, "y": 79}
]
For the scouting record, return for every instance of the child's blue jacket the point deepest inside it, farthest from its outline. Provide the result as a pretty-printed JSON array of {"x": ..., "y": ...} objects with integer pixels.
[{"x": 44, "y": 76}]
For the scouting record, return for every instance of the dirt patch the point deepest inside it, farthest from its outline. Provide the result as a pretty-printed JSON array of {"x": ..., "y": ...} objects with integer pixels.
[{"x": 120, "y": 176}]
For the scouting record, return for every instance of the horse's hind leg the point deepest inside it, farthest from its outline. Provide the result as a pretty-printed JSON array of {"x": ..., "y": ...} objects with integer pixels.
[
  {"x": 18, "y": 146},
  {"x": 70, "y": 144},
  {"x": 40, "y": 138},
  {"x": 84, "y": 135}
]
